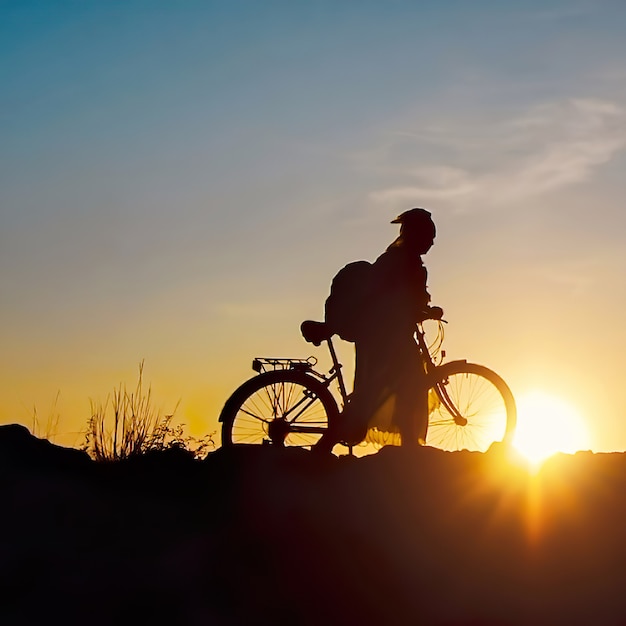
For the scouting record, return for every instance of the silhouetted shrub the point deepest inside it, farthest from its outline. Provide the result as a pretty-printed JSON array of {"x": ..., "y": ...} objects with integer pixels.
[{"x": 128, "y": 424}]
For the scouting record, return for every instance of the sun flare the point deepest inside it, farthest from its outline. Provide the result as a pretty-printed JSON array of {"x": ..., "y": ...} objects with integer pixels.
[{"x": 547, "y": 425}]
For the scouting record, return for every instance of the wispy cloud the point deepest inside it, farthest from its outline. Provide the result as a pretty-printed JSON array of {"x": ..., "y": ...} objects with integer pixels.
[{"x": 549, "y": 147}]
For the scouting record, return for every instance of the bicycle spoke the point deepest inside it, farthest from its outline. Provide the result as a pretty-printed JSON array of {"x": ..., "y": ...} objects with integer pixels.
[
  {"x": 287, "y": 396},
  {"x": 253, "y": 415},
  {"x": 471, "y": 395}
]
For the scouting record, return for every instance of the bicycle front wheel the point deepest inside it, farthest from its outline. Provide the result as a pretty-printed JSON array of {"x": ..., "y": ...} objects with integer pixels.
[
  {"x": 470, "y": 407},
  {"x": 283, "y": 407}
]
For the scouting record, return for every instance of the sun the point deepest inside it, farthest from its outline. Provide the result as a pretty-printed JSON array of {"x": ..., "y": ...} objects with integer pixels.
[{"x": 546, "y": 425}]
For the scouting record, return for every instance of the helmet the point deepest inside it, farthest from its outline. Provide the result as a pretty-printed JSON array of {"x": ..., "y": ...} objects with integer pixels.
[
  {"x": 413, "y": 217},
  {"x": 415, "y": 220}
]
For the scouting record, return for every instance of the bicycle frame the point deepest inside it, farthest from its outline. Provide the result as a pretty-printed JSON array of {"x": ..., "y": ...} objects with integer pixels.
[
  {"x": 262, "y": 364},
  {"x": 289, "y": 396},
  {"x": 438, "y": 385},
  {"x": 265, "y": 364},
  {"x": 430, "y": 368}
]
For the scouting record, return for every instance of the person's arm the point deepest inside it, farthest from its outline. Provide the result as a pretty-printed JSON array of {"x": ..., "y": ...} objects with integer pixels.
[{"x": 426, "y": 311}]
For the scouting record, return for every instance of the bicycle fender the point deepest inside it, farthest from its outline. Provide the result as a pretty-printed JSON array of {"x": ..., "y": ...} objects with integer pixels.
[
  {"x": 449, "y": 363},
  {"x": 432, "y": 375}
]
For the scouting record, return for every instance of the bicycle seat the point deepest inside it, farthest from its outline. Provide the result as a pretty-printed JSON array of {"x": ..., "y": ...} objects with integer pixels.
[{"x": 315, "y": 332}]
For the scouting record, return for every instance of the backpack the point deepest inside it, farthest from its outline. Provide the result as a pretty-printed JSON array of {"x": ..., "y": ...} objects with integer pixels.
[{"x": 347, "y": 303}]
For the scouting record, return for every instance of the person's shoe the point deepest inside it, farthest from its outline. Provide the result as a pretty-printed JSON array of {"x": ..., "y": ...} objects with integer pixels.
[{"x": 323, "y": 447}]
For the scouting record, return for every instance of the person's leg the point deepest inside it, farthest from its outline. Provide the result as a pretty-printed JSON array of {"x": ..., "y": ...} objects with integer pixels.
[
  {"x": 412, "y": 414},
  {"x": 351, "y": 427},
  {"x": 411, "y": 408},
  {"x": 369, "y": 385}
]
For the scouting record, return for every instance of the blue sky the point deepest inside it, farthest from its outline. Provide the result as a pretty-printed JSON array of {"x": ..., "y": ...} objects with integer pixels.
[{"x": 180, "y": 181}]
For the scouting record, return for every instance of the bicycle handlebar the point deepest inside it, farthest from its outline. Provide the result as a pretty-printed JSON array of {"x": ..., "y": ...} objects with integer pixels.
[{"x": 433, "y": 313}]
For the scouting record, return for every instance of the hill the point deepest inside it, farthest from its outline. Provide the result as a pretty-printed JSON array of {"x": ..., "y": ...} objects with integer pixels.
[{"x": 260, "y": 535}]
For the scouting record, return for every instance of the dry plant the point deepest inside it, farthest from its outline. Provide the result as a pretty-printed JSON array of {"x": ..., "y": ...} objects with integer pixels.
[
  {"x": 136, "y": 427},
  {"x": 49, "y": 429}
]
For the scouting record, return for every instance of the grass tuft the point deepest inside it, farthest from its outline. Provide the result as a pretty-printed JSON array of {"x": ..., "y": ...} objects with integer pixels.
[
  {"x": 47, "y": 430},
  {"x": 128, "y": 425}
]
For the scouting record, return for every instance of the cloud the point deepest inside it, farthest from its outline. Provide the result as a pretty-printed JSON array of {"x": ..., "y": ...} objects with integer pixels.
[
  {"x": 436, "y": 182},
  {"x": 549, "y": 147}
]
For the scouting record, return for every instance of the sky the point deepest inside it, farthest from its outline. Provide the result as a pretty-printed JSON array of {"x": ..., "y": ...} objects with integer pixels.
[{"x": 179, "y": 182}]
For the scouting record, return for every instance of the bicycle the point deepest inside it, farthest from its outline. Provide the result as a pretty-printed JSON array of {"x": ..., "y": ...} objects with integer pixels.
[{"x": 289, "y": 403}]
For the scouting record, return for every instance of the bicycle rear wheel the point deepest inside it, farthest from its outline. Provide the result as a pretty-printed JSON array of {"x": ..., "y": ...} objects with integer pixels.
[
  {"x": 283, "y": 407},
  {"x": 470, "y": 407}
]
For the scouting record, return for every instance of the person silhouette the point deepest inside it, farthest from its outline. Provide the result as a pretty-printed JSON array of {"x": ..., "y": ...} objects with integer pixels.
[{"x": 388, "y": 367}]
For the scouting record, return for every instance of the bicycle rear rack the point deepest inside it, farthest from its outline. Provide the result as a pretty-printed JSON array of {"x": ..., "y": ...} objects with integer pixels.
[{"x": 266, "y": 364}]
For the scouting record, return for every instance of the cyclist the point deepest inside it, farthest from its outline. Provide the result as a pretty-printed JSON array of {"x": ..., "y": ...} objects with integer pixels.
[{"x": 389, "y": 372}]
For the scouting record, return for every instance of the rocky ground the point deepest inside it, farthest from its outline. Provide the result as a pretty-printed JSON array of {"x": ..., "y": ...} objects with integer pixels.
[{"x": 258, "y": 535}]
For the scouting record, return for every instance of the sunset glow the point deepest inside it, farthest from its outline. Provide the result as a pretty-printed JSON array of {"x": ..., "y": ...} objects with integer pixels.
[
  {"x": 194, "y": 198},
  {"x": 547, "y": 425}
]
